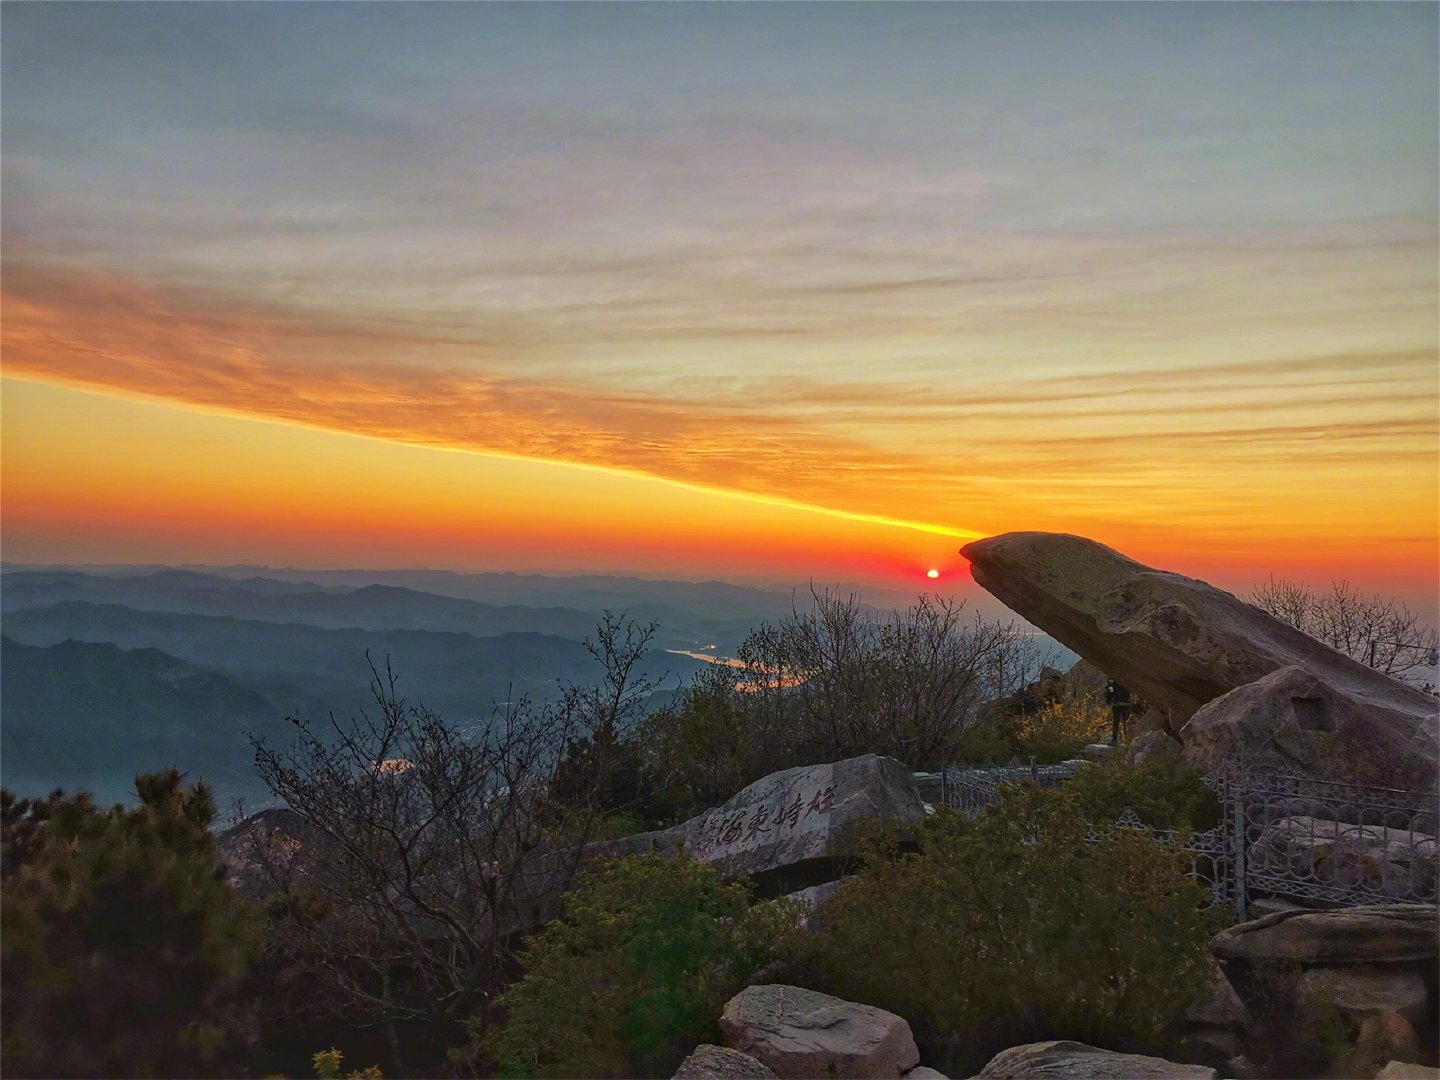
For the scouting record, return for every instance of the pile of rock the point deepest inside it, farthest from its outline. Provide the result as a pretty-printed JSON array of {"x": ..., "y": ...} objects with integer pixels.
[
  {"x": 1373, "y": 967},
  {"x": 787, "y": 1031}
]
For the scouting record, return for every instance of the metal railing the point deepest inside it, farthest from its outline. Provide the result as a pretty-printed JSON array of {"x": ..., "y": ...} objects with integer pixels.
[{"x": 1283, "y": 836}]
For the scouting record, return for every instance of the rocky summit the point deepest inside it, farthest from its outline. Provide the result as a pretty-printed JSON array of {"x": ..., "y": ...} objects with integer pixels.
[{"x": 1285, "y": 700}]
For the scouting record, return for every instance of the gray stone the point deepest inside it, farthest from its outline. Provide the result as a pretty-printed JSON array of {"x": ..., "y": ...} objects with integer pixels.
[
  {"x": 1383, "y": 1037},
  {"x": 721, "y": 1063},
  {"x": 924, "y": 1072},
  {"x": 1361, "y": 989},
  {"x": 800, "y": 815},
  {"x": 814, "y": 899},
  {"x": 1211, "y": 1046},
  {"x": 803, "y": 1033},
  {"x": 1218, "y": 1007},
  {"x": 1399, "y": 863},
  {"x": 1179, "y": 643},
  {"x": 1076, "y": 1061},
  {"x": 1379, "y": 933},
  {"x": 1272, "y": 905},
  {"x": 1152, "y": 746},
  {"x": 1405, "y": 1070},
  {"x": 1320, "y": 720},
  {"x": 1098, "y": 752}
]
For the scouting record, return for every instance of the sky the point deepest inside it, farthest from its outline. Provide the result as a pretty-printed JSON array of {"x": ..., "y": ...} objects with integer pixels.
[{"x": 749, "y": 290}]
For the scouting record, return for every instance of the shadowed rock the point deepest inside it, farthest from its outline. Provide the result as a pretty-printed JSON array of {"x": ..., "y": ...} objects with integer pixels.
[
  {"x": 1376, "y": 933},
  {"x": 721, "y": 1063},
  {"x": 1076, "y": 1061},
  {"x": 1180, "y": 643}
]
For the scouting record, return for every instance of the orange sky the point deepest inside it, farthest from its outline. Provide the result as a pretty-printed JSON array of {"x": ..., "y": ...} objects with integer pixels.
[{"x": 391, "y": 305}]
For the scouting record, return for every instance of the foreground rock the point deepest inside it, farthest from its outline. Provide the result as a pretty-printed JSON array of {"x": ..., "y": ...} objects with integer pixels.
[
  {"x": 1377, "y": 933},
  {"x": 1076, "y": 1061},
  {"x": 721, "y": 1063},
  {"x": 803, "y": 1033},
  {"x": 1374, "y": 966},
  {"x": 1179, "y": 643}
]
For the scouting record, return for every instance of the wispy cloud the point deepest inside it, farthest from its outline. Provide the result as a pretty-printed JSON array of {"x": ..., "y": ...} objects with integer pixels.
[{"x": 941, "y": 453}]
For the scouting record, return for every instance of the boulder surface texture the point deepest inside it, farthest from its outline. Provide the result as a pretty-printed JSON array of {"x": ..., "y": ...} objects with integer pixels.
[
  {"x": 1180, "y": 643},
  {"x": 1374, "y": 934},
  {"x": 709, "y": 1062},
  {"x": 789, "y": 817},
  {"x": 1076, "y": 1061},
  {"x": 803, "y": 1033}
]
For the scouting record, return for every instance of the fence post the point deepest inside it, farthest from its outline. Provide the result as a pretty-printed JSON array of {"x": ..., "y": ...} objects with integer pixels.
[{"x": 1237, "y": 843}]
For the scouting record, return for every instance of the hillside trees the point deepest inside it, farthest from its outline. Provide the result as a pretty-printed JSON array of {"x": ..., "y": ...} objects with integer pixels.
[
  {"x": 432, "y": 850},
  {"x": 1375, "y": 630},
  {"x": 837, "y": 680},
  {"x": 124, "y": 950}
]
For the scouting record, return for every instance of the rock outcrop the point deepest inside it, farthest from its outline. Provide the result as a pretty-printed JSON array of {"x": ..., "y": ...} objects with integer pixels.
[
  {"x": 791, "y": 824},
  {"x": 1376, "y": 933},
  {"x": 1063, "y": 1060},
  {"x": 803, "y": 1033},
  {"x": 709, "y": 1062},
  {"x": 1305, "y": 720},
  {"x": 1375, "y": 966},
  {"x": 1180, "y": 643}
]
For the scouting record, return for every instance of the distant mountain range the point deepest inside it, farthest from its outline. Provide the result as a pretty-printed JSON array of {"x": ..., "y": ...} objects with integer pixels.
[
  {"x": 80, "y": 715},
  {"x": 111, "y": 670}
]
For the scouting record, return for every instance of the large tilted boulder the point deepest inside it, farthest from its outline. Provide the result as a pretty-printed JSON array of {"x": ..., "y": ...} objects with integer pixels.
[
  {"x": 1063, "y": 1060},
  {"x": 721, "y": 1063},
  {"x": 804, "y": 1033},
  {"x": 1180, "y": 643}
]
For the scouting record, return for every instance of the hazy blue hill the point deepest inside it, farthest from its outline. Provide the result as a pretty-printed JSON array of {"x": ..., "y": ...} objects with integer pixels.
[
  {"x": 688, "y": 615},
  {"x": 85, "y": 715},
  {"x": 372, "y": 607},
  {"x": 459, "y": 674}
]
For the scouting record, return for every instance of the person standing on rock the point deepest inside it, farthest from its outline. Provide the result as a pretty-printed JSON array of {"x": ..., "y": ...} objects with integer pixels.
[{"x": 1120, "y": 701}]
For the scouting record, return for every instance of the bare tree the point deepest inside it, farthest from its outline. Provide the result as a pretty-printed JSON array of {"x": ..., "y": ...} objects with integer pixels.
[
  {"x": 428, "y": 851},
  {"x": 1378, "y": 631},
  {"x": 910, "y": 684}
]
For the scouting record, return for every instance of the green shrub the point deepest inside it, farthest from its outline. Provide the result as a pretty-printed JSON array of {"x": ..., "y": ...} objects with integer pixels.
[
  {"x": 1163, "y": 793},
  {"x": 123, "y": 947},
  {"x": 636, "y": 973},
  {"x": 1012, "y": 926}
]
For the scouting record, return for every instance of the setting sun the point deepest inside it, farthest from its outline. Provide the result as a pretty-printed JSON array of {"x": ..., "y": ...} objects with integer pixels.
[{"x": 932, "y": 573}]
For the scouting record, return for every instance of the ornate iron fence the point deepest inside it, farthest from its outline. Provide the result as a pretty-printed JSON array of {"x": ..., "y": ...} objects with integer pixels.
[
  {"x": 1282, "y": 836},
  {"x": 971, "y": 790}
]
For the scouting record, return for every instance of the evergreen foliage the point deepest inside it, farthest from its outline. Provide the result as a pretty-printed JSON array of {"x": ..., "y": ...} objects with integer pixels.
[
  {"x": 1018, "y": 928},
  {"x": 123, "y": 948},
  {"x": 637, "y": 972}
]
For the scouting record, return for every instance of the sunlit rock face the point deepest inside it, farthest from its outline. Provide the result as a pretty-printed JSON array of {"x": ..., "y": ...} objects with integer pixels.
[{"x": 1180, "y": 643}]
